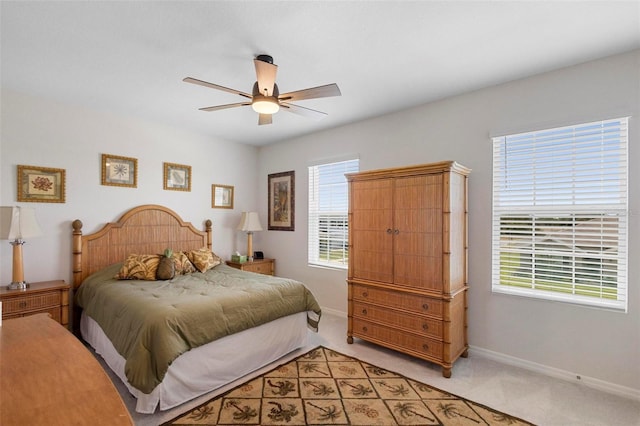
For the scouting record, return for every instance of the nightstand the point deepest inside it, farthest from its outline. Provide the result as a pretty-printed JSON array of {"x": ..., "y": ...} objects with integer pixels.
[
  {"x": 50, "y": 297},
  {"x": 259, "y": 266}
]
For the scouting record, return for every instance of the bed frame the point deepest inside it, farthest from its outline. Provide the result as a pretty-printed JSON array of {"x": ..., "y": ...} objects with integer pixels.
[
  {"x": 150, "y": 229},
  {"x": 144, "y": 229}
]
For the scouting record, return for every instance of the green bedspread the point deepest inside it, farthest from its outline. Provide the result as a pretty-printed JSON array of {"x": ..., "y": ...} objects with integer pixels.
[{"x": 151, "y": 323}]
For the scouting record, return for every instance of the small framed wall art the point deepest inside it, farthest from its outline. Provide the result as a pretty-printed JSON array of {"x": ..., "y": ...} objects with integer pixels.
[
  {"x": 119, "y": 171},
  {"x": 282, "y": 201},
  {"x": 221, "y": 196},
  {"x": 177, "y": 177},
  {"x": 41, "y": 184}
]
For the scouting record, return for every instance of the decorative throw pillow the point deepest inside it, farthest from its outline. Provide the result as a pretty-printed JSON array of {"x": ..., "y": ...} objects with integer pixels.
[
  {"x": 139, "y": 267},
  {"x": 203, "y": 259},
  {"x": 167, "y": 266},
  {"x": 183, "y": 264}
]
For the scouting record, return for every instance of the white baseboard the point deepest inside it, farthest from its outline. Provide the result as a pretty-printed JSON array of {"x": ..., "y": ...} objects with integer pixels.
[
  {"x": 558, "y": 373},
  {"x": 591, "y": 382}
]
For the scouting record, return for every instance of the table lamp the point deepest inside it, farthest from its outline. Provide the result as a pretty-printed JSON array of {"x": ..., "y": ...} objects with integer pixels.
[
  {"x": 249, "y": 223},
  {"x": 16, "y": 224}
]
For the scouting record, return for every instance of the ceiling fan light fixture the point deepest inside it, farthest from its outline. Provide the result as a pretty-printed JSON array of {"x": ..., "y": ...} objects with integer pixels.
[
  {"x": 265, "y": 98},
  {"x": 265, "y": 104}
]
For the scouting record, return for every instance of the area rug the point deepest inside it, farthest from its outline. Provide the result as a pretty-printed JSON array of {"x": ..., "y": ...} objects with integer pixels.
[{"x": 325, "y": 387}]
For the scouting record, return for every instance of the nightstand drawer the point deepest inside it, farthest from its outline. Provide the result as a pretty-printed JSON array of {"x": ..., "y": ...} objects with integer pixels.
[
  {"x": 33, "y": 302},
  {"x": 258, "y": 266},
  {"x": 54, "y": 312},
  {"x": 45, "y": 297}
]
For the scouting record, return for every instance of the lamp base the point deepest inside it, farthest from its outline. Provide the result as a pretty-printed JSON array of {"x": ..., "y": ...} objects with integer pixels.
[{"x": 18, "y": 286}]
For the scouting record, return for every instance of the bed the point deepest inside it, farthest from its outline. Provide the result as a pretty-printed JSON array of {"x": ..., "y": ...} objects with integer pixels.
[{"x": 200, "y": 350}]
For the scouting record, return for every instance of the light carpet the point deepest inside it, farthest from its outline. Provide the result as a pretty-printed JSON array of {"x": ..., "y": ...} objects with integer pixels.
[{"x": 324, "y": 387}]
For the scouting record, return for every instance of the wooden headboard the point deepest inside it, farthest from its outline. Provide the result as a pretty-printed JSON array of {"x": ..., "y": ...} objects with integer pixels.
[{"x": 146, "y": 229}]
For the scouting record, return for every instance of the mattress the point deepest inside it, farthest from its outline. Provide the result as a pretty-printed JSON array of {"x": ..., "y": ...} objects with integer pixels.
[
  {"x": 150, "y": 323},
  {"x": 207, "y": 367}
]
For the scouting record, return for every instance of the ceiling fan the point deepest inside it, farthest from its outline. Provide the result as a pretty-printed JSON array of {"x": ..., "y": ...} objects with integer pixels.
[{"x": 266, "y": 99}]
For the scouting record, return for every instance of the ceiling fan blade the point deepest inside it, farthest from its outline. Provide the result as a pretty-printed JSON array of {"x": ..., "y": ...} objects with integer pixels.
[
  {"x": 266, "y": 74},
  {"x": 219, "y": 107},
  {"x": 264, "y": 119},
  {"x": 305, "y": 112},
  {"x": 215, "y": 86},
  {"x": 312, "y": 93}
]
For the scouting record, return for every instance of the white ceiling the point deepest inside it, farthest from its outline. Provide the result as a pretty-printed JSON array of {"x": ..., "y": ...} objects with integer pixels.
[{"x": 130, "y": 57}]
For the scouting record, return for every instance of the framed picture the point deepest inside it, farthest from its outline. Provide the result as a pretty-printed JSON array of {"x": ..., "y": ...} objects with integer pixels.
[
  {"x": 119, "y": 171},
  {"x": 221, "y": 196},
  {"x": 282, "y": 201},
  {"x": 177, "y": 177},
  {"x": 41, "y": 184}
]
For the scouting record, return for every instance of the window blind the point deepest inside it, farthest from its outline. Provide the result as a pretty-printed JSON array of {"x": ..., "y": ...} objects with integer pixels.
[
  {"x": 328, "y": 209},
  {"x": 560, "y": 213}
]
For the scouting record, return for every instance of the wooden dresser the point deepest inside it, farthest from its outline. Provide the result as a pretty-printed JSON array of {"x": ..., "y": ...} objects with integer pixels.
[
  {"x": 51, "y": 297},
  {"x": 407, "y": 273},
  {"x": 259, "y": 266},
  {"x": 48, "y": 377}
]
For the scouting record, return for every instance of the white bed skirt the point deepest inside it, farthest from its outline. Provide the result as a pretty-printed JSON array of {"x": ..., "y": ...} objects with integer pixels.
[{"x": 208, "y": 367}]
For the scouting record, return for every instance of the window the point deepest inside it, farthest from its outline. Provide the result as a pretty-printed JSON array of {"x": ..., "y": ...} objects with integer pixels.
[
  {"x": 560, "y": 214},
  {"x": 328, "y": 208}
]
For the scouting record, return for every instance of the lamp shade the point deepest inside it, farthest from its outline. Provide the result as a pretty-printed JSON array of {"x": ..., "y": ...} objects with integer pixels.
[
  {"x": 18, "y": 223},
  {"x": 249, "y": 222}
]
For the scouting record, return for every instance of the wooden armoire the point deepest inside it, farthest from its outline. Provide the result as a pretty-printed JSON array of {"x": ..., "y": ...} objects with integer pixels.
[{"x": 408, "y": 260}]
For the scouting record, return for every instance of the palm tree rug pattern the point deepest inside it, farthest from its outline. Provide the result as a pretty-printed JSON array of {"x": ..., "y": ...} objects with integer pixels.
[{"x": 325, "y": 387}]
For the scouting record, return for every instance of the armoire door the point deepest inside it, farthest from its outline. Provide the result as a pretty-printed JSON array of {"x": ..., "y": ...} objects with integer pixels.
[
  {"x": 417, "y": 251},
  {"x": 371, "y": 229}
]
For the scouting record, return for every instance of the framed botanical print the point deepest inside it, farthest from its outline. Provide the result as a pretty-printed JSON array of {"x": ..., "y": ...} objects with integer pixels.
[
  {"x": 177, "y": 177},
  {"x": 281, "y": 201},
  {"x": 41, "y": 184},
  {"x": 119, "y": 171},
  {"x": 221, "y": 196}
]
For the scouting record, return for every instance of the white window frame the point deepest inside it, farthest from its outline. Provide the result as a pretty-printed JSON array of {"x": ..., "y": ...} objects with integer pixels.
[
  {"x": 560, "y": 214},
  {"x": 335, "y": 206}
]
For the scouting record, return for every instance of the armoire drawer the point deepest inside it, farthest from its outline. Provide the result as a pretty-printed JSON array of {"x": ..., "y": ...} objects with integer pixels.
[
  {"x": 396, "y": 299},
  {"x": 394, "y": 337},
  {"x": 395, "y": 319}
]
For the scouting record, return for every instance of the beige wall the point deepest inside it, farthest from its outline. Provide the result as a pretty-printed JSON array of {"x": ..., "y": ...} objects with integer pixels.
[
  {"x": 41, "y": 132},
  {"x": 598, "y": 345},
  {"x": 592, "y": 343}
]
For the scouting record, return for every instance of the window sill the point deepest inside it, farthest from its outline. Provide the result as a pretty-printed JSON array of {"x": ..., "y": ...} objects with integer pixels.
[
  {"x": 326, "y": 266},
  {"x": 609, "y": 305}
]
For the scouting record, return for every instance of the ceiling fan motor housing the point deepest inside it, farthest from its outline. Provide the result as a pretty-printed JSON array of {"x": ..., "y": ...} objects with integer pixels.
[
  {"x": 256, "y": 91},
  {"x": 265, "y": 58}
]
